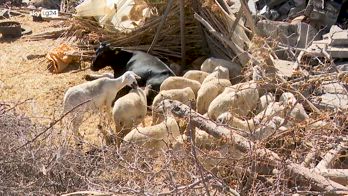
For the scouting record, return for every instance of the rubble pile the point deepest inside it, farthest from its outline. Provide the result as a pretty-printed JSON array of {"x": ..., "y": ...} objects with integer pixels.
[{"x": 312, "y": 39}]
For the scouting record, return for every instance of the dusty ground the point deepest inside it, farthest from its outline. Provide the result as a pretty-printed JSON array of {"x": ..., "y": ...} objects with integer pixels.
[{"x": 23, "y": 79}]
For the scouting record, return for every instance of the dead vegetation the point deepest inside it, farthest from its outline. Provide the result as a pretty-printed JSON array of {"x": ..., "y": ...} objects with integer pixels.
[{"x": 36, "y": 155}]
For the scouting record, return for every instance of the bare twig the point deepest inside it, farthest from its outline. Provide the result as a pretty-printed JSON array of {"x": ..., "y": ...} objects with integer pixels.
[
  {"x": 329, "y": 157},
  {"x": 51, "y": 125}
]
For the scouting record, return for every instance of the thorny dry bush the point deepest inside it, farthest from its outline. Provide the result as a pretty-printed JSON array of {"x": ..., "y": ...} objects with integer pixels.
[{"x": 48, "y": 164}]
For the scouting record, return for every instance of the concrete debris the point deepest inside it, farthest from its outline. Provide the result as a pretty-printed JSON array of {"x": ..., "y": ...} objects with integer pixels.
[
  {"x": 284, "y": 68},
  {"x": 334, "y": 101},
  {"x": 323, "y": 13},
  {"x": 333, "y": 45},
  {"x": 332, "y": 88},
  {"x": 48, "y": 4},
  {"x": 342, "y": 66},
  {"x": 296, "y": 35}
]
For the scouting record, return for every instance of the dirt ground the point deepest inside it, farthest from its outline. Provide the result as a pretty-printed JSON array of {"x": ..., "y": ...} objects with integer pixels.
[{"x": 28, "y": 82}]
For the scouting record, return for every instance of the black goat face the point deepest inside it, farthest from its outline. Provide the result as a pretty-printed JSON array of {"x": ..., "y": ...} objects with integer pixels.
[{"x": 104, "y": 55}]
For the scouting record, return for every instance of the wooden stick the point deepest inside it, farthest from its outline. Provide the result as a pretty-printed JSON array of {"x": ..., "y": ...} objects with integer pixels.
[
  {"x": 309, "y": 157},
  {"x": 238, "y": 17},
  {"x": 248, "y": 15},
  {"x": 341, "y": 174},
  {"x": 96, "y": 193},
  {"x": 329, "y": 157},
  {"x": 166, "y": 12},
  {"x": 245, "y": 145},
  {"x": 182, "y": 34}
]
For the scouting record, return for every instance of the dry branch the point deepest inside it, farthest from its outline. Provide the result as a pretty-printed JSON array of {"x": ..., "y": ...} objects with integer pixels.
[
  {"x": 96, "y": 193},
  {"x": 330, "y": 157},
  {"x": 245, "y": 145},
  {"x": 51, "y": 125}
]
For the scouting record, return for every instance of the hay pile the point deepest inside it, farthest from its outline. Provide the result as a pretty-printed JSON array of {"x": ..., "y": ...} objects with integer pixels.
[{"x": 199, "y": 40}]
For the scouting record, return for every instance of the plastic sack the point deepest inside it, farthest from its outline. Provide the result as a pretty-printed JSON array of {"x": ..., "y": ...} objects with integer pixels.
[
  {"x": 124, "y": 15},
  {"x": 59, "y": 58},
  {"x": 95, "y": 7}
]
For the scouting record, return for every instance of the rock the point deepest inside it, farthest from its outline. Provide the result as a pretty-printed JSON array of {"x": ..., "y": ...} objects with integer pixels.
[
  {"x": 332, "y": 88},
  {"x": 48, "y": 4},
  {"x": 333, "y": 101},
  {"x": 342, "y": 66},
  {"x": 336, "y": 36},
  {"x": 284, "y": 68},
  {"x": 323, "y": 14},
  {"x": 265, "y": 100}
]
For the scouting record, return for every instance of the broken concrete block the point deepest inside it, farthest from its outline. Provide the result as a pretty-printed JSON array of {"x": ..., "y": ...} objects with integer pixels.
[
  {"x": 338, "y": 52},
  {"x": 334, "y": 101},
  {"x": 332, "y": 88},
  {"x": 323, "y": 13},
  {"x": 342, "y": 66},
  {"x": 339, "y": 38},
  {"x": 296, "y": 35},
  {"x": 284, "y": 68},
  {"x": 322, "y": 48}
]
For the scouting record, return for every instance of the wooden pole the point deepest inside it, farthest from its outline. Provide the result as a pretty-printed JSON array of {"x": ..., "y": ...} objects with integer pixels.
[{"x": 182, "y": 34}]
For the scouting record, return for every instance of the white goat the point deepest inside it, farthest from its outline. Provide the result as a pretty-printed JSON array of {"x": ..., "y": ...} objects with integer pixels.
[{"x": 94, "y": 95}]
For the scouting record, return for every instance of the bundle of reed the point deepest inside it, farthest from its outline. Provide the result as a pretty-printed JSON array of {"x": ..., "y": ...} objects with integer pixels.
[
  {"x": 168, "y": 45},
  {"x": 210, "y": 30}
]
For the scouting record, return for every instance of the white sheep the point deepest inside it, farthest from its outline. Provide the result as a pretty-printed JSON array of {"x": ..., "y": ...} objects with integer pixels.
[
  {"x": 185, "y": 96},
  {"x": 129, "y": 110},
  {"x": 154, "y": 137},
  {"x": 218, "y": 73},
  {"x": 196, "y": 75},
  {"x": 241, "y": 86},
  {"x": 94, "y": 95},
  {"x": 176, "y": 82},
  {"x": 235, "y": 70},
  {"x": 241, "y": 103},
  {"x": 208, "y": 92}
]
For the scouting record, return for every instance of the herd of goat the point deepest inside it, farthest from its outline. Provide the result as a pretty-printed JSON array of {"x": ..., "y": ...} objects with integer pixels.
[{"x": 141, "y": 80}]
